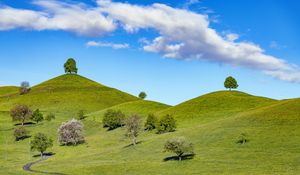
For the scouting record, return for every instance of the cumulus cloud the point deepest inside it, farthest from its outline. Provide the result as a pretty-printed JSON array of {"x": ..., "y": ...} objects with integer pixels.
[
  {"x": 105, "y": 44},
  {"x": 56, "y": 15},
  {"x": 182, "y": 34}
]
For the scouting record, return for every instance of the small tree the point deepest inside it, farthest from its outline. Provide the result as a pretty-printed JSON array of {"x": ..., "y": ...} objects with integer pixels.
[
  {"x": 230, "y": 83},
  {"x": 70, "y": 66},
  {"x": 24, "y": 88},
  {"x": 151, "y": 122},
  {"x": 133, "y": 126},
  {"x": 20, "y": 133},
  {"x": 70, "y": 133},
  {"x": 166, "y": 124},
  {"x": 179, "y": 146},
  {"x": 37, "y": 116},
  {"x": 142, "y": 95},
  {"x": 20, "y": 113},
  {"x": 50, "y": 117},
  {"x": 113, "y": 119},
  {"x": 40, "y": 143},
  {"x": 81, "y": 115}
]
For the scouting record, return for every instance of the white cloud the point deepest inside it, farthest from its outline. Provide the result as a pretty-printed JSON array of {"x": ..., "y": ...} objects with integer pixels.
[
  {"x": 55, "y": 15},
  {"x": 105, "y": 44},
  {"x": 182, "y": 34}
]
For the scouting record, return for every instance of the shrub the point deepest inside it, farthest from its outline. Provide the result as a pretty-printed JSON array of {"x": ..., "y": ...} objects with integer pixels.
[
  {"x": 81, "y": 115},
  {"x": 20, "y": 133},
  {"x": 113, "y": 119},
  {"x": 151, "y": 122},
  {"x": 179, "y": 146},
  {"x": 50, "y": 117},
  {"x": 40, "y": 143},
  {"x": 133, "y": 126},
  {"x": 20, "y": 113},
  {"x": 166, "y": 124},
  {"x": 37, "y": 116},
  {"x": 70, "y": 133},
  {"x": 241, "y": 139}
]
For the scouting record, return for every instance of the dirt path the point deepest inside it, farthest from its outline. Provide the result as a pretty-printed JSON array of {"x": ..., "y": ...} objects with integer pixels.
[{"x": 27, "y": 167}]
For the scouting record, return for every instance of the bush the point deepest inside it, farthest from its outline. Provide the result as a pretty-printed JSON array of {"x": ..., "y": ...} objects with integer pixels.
[
  {"x": 179, "y": 146},
  {"x": 166, "y": 124},
  {"x": 50, "y": 117},
  {"x": 70, "y": 133},
  {"x": 151, "y": 122},
  {"x": 113, "y": 119},
  {"x": 20, "y": 133},
  {"x": 40, "y": 143},
  {"x": 81, "y": 115},
  {"x": 37, "y": 116},
  {"x": 241, "y": 139},
  {"x": 133, "y": 126}
]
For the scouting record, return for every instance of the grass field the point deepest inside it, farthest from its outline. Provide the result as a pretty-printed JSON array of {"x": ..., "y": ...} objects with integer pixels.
[{"x": 211, "y": 122}]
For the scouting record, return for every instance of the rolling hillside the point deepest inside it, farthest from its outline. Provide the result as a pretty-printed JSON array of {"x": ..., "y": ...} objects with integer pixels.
[
  {"x": 68, "y": 93},
  {"x": 216, "y": 105},
  {"x": 8, "y": 90}
]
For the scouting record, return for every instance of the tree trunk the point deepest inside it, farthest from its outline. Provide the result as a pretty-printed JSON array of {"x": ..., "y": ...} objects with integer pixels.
[
  {"x": 23, "y": 120},
  {"x": 42, "y": 153},
  {"x": 134, "y": 141}
]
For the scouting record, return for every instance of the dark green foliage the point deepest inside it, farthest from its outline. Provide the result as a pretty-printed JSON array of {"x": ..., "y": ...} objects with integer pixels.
[
  {"x": 230, "y": 83},
  {"x": 50, "y": 116},
  {"x": 24, "y": 88},
  {"x": 142, "y": 95},
  {"x": 80, "y": 115},
  {"x": 20, "y": 113},
  {"x": 179, "y": 146},
  {"x": 113, "y": 119},
  {"x": 20, "y": 133},
  {"x": 70, "y": 66},
  {"x": 133, "y": 126},
  {"x": 40, "y": 143},
  {"x": 151, "y": 122},
  {"x": 242, "y": 139},
  {"x": 166, "y": 124},
  {"x": 37, "y": 116}
]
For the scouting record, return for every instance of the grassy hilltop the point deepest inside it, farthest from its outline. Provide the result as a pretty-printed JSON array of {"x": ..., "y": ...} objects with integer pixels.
[{"x": 212, "y": 122}]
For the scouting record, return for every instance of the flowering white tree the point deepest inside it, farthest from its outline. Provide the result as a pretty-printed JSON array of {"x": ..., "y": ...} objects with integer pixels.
[{"x": 70, "y": 133}]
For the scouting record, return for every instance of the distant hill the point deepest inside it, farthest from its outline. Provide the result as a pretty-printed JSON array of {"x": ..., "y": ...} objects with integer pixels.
[
  {"x": 141, "y": 107},
  {"x": 68, "y": 93},
  {"x": 216, "y": 104},
  {"x": 8, "y": 90}
]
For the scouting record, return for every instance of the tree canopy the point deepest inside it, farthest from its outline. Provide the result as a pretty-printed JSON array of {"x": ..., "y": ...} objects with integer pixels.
[
  {"x": 70, "y": 66},
  {"x": 230, "y": 83},
  {"x": 142, "y": 95},
  {"x": 20, "y": 113},
  {"x": 40, "y": 143}
]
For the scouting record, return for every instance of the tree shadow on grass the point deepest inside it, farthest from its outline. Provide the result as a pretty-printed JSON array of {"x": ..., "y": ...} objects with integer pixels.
[
  {"x": 22, "y": 138},
  {"x": 45, "y": 154},
  {"x": 184, "y": 157},
  {"x": 26, "y": 123},
  {"x": 130, "y": 145}
]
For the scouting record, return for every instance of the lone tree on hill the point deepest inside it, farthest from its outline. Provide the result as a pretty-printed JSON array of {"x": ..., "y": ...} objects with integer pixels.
[
  {"x": 20, "y": 113},
  {"x": 179, "y": 146},
  {"x": 70, "y": 66},
  {"x": 37, "y": 116},
  {"x": 133, "y": 126},
  {"x": 40, "y": 143},
  {"x": 230, "y": 83},
  {"x": 142, "y": 95},
  {"x": 25, "y": 87}
]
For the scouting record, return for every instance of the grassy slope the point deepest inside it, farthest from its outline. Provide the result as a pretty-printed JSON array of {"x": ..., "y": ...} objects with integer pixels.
[
  {"x": 216, "y": 105},
  {"x": 69, "y": 93},
  {"x": 273, "y": 130},
  {"x": 8, "y": 90},
  {"x": 141, "y": 107}
]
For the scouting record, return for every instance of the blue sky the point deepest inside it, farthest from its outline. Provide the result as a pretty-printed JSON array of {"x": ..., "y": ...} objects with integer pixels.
[{"x": 172, "y": 51}]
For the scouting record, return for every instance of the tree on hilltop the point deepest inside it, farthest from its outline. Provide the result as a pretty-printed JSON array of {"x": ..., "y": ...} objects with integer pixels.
[
  {"x": 230, "y": 83},
  {"x": 70, "y": 66}
]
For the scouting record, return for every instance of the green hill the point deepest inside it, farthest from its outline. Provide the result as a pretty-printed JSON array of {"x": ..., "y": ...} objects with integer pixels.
[
  {"x": 141, "y": 107},
  {"x": 6, "y": 91},
  {"x": 69, "y": 93},
  {"x": 216, "y": 105}
]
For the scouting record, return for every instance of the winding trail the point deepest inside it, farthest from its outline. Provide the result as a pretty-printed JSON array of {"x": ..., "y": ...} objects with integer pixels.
[{"x": 27, "y": 167}]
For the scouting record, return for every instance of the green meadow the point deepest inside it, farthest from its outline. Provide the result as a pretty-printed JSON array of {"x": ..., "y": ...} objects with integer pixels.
[{"x": 212, "y": 122}]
